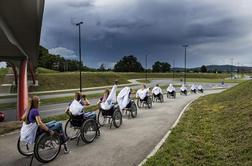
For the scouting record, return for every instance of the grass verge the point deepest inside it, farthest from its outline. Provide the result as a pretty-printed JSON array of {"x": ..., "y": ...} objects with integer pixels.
[
  {"x": 216, "y": 130},
  {"x": 51, "y": 80}
]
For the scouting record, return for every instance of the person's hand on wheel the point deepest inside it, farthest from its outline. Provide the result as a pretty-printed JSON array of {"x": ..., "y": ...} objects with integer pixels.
[{"x": 51, "y": 132}]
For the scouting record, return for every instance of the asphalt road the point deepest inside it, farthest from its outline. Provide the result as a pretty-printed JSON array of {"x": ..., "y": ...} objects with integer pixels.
[{"x": 126, "y": 146}]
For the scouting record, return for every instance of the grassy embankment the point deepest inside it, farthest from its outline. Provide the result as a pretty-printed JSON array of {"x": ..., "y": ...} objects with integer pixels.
[
  {"x": 51, "y": 80},
  {"x": 216, "y": 130},
  {"x": 3, "y": 71}
]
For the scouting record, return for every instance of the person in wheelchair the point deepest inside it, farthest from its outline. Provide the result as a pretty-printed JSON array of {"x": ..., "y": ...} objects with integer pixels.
[
  {"x": 171, "y": 90},
  {"x": 193, "y": 88},
  {"x": 200, "y": 88},
  {"x": 123, "y": 98},
  {"x": 107, "y": 102},
  {"x": 143, "y": 93},
  {"x": 82, "y": 101},
  {"x": 183, "y": 89},
  {"x": 33, "y": 125},
  {"x": 157, "y": 92}
]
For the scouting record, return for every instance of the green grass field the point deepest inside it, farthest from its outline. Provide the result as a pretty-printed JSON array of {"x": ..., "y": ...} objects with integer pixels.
[
  {"x": 216, "y": 130},
  {"x": 52, "y": 80},
  {"x": 3, "y": 71}
]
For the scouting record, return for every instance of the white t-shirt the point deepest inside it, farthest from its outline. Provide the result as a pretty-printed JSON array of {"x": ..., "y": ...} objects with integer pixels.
[
  {"x": 170, "y": 88},
  {"x": 142, "y": 93},
  {"x": 76, "y": 108},
  {"x": 183, "y": 88},
  {"x": 156, "y": 90}
]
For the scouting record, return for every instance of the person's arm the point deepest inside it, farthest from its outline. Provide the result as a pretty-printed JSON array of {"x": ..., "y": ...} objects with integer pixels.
[
  {"x": 43, "y": 125},
  {"x": 86, "y": 102},
  {"x": 23, "y": 118}
]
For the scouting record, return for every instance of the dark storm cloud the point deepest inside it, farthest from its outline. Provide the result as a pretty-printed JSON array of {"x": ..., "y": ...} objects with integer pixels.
[
  {"x": 79, "y": 4},
  {"x": 113, "y": 29}
]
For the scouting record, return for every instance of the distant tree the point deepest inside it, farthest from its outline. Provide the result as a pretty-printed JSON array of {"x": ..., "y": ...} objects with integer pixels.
[
  {"x": 102, "y": 67},
  {"x": 128, "y": 64},
  {"x": 203, "y": 69},
  {"x": 161, "y": 67},
  {"x": 56, "y": 62}
]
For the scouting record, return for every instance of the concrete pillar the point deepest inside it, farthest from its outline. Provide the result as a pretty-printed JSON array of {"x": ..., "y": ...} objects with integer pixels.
[{"x": 22, "y": 89}]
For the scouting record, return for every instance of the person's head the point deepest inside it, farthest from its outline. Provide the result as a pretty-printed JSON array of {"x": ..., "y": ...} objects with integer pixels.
[
  {"x": 106, "y": 92},
  {"x": 143, "y": 86},
  {"x": 77, "y": 96},
  {"x": 116, "y": 82},
  {"x": 157, "y": 85},
  {"x": 35, "y": 101},
  {"x": 83, "y": 96}
]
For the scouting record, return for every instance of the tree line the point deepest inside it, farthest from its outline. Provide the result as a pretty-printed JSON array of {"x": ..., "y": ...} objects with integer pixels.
[{"x": 126, "y": 64}]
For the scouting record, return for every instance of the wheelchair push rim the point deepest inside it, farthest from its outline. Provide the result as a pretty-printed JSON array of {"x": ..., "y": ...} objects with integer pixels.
[
  {"x": 89, "y": 131},
  {"x": 133, "y": 110},
  {"x": 47, "y": 147},
  {"x": 117, "y": 118},
  {"x": 71, "y": 131},
  {"x": 149, "y": 102},
  {"x": 24, "y": 148},
  {"x": 101, "y": 119}
]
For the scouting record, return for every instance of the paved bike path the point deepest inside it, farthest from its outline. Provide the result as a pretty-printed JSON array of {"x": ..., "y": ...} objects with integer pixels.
[{"x": 125, "y": 146}]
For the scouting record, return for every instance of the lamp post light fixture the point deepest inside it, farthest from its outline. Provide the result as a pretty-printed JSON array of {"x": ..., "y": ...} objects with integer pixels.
[
  {"x": 80, "y": 64},
  {"x": 185, "y": 46}
]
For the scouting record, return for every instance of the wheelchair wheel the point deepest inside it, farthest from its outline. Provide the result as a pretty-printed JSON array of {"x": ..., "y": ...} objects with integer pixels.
[
  {"x": 139, "y": 103},
  {"x": 89, "y": 131},
  {"x": 161, "y": 98},
  {"x": 149, "y": 102},
  {"x": 101, "y": 118},
  {"x": 47, "y": 147},
  {"x": 174, "y": 95},
  {"x": 133, "y": 110},
  {"x": 117, "y": 118},
  {"x": 71, "y": 131},
  {"x": 24, "y": 148}
]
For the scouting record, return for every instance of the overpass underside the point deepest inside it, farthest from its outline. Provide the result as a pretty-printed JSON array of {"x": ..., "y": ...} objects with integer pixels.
[{"x": 20, "y": 28}]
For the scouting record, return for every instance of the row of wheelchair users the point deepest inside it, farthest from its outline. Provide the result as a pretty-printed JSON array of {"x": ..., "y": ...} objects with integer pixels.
[
  {"x": 37, "y": 137},
  {"x": 44, "y": 140}
]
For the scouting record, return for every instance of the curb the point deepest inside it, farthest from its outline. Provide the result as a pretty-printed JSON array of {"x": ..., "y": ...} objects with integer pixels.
[{"x": 158, "y": 146}]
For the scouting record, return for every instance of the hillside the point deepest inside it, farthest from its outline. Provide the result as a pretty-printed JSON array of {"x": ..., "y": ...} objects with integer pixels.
[{"x": 216, "y": 130}]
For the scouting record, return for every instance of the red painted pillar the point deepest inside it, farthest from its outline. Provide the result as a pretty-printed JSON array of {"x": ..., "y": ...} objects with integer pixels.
[{"x": 22, "y": 89}]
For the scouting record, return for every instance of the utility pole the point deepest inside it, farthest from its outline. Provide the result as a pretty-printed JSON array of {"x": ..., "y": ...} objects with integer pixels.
[
  {"x": 80, "y": 64},
  {"x": 231, "y": 72},
  {"x": 146, "y": 65},
  {"x": 173, "y": 69},
  {"x": 185, "y": 46}
]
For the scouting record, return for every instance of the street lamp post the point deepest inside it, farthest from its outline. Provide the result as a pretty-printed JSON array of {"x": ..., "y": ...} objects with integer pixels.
[
  {"x": 173, "y": 69},
  {"x": 146, "y": 68},
  {"x": 80, "y": 64},
  {"x": 185, "y": 46}
]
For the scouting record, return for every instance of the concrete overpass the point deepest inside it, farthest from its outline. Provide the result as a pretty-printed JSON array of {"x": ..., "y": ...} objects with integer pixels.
[{"x": 20, "y": 28}]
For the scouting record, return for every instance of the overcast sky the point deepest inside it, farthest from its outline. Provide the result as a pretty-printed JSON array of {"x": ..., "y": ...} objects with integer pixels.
[{"x": 216, "y": 30}]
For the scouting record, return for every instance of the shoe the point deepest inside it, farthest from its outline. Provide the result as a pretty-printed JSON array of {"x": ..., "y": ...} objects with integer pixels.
[{"x": 66, "y": 150}]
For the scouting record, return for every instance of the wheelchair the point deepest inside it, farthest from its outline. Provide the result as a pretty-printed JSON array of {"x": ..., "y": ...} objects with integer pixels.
[
  {"x": 158, "y": 98},
  {"x": 131, "y": 109},
  {"x": 183, "y": 92},
  {"x": 45, "y": 148},
  {"x": 145, "y": 103},
  {"x": 78, "y": 126},
  {"x": 201, "y": 90},
  {"x": 113, "y": 116},
  {"x": 171, "y": 95},
  {"x": 193, "y": 91}
]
